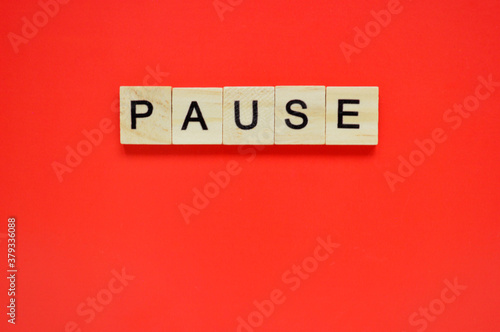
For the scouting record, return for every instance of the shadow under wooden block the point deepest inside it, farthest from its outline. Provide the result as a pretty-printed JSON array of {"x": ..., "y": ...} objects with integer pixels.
[
  {"x": 197, "y": 115},
  {"x": 352, "y": 115},
  {"x": 248, "y": 115},
  {"x": 299, "y": 115},
  {"x": 145, "y": 115}
]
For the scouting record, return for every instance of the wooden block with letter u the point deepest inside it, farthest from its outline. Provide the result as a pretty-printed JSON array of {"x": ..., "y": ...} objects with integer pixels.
[{"x": 249, "y": 115}]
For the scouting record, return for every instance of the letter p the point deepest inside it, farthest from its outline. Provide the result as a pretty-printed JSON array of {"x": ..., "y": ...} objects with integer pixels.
[{"x": 135, "y": 115}]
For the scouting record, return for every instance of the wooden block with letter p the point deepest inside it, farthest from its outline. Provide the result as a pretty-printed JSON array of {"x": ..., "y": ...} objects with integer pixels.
[
  {"x": 352, "y": 115},
  {"x": 248, "y": 115},
  {"x": 145, "y": 115},
  {"x": 197, "y": 115},
  {"x": 300, "y": 115}
]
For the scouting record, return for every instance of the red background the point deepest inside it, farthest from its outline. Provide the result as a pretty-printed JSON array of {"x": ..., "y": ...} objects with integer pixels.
[{"x": 119, "y": 208}]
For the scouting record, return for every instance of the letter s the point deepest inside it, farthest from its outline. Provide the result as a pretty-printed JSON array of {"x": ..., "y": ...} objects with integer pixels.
[{"x": 299, "y": 114}]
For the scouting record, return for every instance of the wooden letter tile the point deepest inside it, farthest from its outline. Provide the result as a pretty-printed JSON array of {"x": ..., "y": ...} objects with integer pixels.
[
  {"x": 300, "y": 115},
  {"x": 248, "y": 115},
  {"x": 352, "y": 115},
  {"x": 145, "y": 115},
  {"x": 197, "y": 115}
]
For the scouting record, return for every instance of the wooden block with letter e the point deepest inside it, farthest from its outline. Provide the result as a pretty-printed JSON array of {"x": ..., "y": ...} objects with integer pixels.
[
  {"x": 248, "y": 115},
  {"x": 197, "y": 115},
  {"x": 145, "y": 115},
  {"x": 300, "y": 115},
  {"x": 352, "y": 115}
]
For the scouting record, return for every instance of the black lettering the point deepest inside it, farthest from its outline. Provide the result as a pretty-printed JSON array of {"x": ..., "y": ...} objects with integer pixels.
[
  {"x": 341, "y": 113},
  {"x": 255, "y": 115},
  {"x": 299, "y": 114},
  {"x": 199, "y": 117},
  {"x": 135, "y": 115}
]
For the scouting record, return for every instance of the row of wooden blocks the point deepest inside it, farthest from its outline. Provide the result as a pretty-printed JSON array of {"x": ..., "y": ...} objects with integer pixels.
[{"x": 249, "y": 115}]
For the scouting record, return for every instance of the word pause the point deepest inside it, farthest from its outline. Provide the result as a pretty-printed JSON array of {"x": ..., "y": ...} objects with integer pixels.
[{"x": 249, "y": 115}]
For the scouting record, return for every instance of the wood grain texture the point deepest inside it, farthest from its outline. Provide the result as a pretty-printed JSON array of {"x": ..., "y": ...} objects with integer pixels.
[
  {"x": 309, "y": 100},
  {"x": 155, "y": 129},
  {"x": 259, "y": 126},
  {"x": 209, "y": 104},
  {"x": 360, "y": 100}
]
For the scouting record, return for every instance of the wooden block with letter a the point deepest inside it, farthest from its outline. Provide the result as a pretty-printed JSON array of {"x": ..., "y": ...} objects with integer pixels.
[
  {"x": 248, "y": 115},
  {"x": 299, "y": 115},
  {"x": 197, "y": 115},
  {"x": 352, "y": 115},
  {"x": 145, "y": 115}
]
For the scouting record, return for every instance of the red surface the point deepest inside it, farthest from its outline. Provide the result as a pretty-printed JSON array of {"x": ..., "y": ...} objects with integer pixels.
[{"x": 119, "y": 207}]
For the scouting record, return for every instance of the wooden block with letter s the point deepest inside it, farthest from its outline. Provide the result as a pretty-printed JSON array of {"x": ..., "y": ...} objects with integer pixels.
[{"x": 300, "y": 115}]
